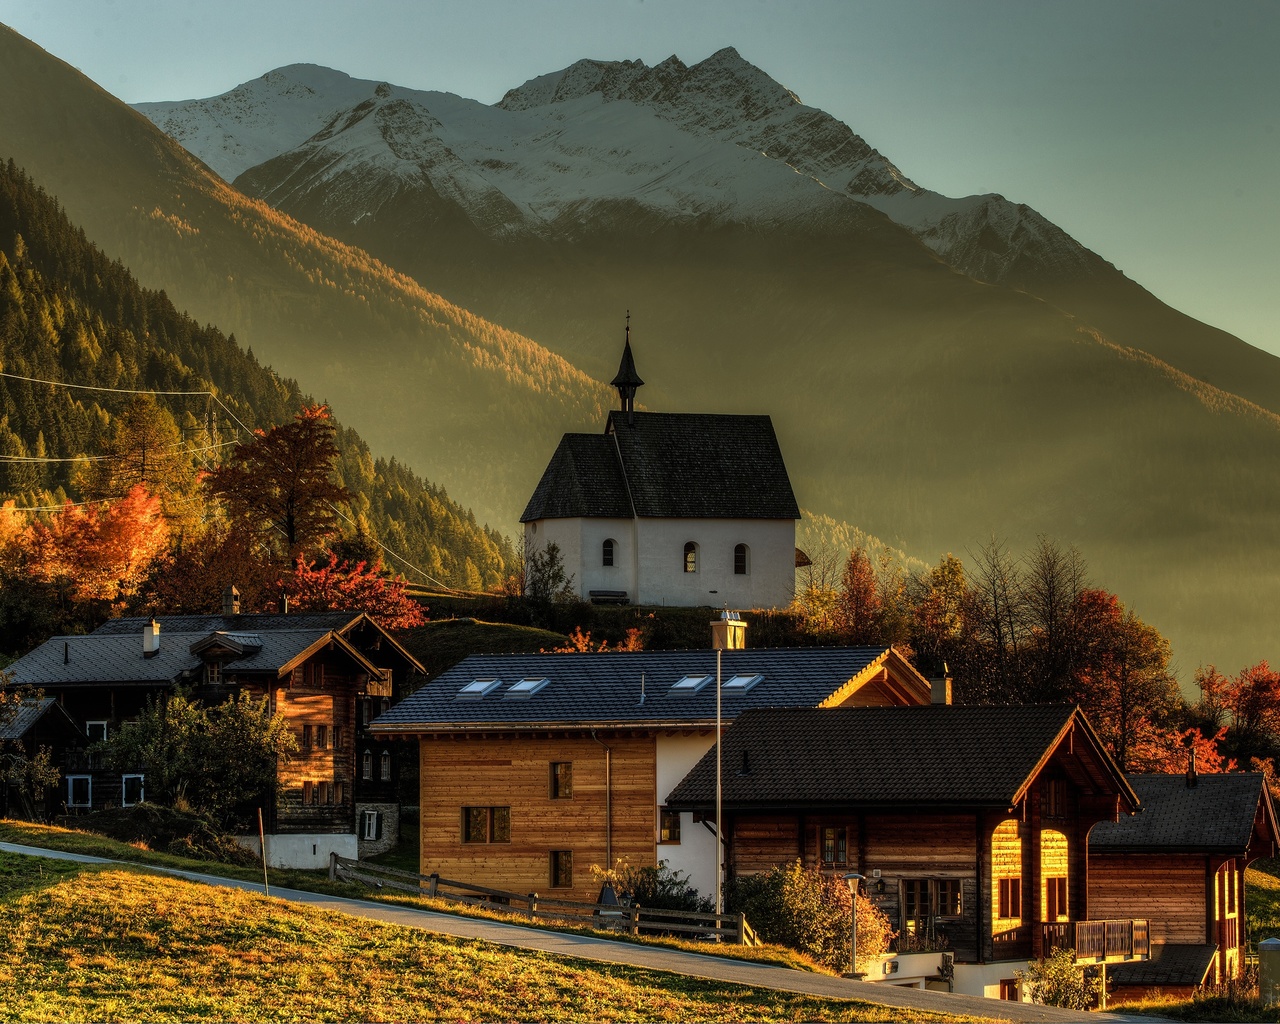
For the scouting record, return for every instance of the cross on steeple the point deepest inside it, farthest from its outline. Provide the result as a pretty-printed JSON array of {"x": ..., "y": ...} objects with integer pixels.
[{"x": 627, "y": 380}]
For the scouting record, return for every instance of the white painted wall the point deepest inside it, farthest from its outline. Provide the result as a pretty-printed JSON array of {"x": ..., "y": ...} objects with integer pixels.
[
  {"x": 310, "y": 852},
  {"x": 984, "y": 979},
  {"x": 695, "y": 855},
  {"x": 649, "y": 559}
]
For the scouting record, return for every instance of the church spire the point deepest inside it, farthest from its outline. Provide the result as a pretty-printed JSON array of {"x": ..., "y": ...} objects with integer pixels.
[{"x": 627, "y": 380}]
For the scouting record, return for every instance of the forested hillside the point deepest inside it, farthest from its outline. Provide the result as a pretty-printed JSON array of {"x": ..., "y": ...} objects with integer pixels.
[{"x": 70, "y": 314}]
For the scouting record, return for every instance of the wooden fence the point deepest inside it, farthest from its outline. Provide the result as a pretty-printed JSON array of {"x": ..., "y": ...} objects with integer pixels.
[{"x": 635, "y": 920}]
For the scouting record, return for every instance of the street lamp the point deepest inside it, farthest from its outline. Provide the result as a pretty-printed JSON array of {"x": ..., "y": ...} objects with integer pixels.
[
  {"x": 853, "y": 880},
  {"x": 727, "y": 633}
]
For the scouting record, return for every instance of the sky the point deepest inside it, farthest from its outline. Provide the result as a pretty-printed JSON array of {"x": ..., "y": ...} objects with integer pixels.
[{"x": 1149, "y": 131}]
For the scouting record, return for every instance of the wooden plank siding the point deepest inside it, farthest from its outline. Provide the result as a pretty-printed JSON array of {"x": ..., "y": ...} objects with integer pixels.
[
  {"x": 515, "y": 772},
  {"x": 1169, "y": 890}
]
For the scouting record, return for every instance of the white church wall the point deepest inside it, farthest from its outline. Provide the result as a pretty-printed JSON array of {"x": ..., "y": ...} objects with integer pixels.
[{"x": 768, "y": 582}]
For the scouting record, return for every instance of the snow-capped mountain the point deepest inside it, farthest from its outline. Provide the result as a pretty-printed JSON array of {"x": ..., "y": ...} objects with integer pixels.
[{"x": 719, "y": 141}]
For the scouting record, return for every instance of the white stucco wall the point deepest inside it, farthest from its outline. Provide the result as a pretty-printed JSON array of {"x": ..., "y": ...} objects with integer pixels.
[
  {"x": 695, "y": 855},
  {"x": 649, "y": 559},
  {"x": 309, "y": 852}
]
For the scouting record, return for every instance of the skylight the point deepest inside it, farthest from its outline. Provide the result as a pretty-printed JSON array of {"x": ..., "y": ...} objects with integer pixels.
[
  {"x": 691, "y": 684},
  {"x": 478, "y": 688},
  {"x": 526, "y": 687},
  {"x": 741, "y": 684}
]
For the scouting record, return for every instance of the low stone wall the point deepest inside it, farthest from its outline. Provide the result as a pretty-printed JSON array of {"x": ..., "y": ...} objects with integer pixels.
[{"x": 310, "y": 852}]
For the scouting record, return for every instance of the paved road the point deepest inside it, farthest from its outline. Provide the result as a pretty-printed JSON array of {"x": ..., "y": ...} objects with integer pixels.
[{"x": 657, "y": 958}]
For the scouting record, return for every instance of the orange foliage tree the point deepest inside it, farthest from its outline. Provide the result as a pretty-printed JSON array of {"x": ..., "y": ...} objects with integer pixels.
[
  {"x": 1169, "y": 751},
  {"x": 338, "y": 586},
  {"x": 1248, "y": 704},
  {"x": 103, "y": 551}
]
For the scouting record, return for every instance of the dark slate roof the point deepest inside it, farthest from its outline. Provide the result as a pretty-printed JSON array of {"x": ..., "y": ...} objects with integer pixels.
[
  {"x": 594, "y": 689},
  {"x": 930, "y": 754},
  {"x": 583, "y": 478},
  {"x": 118, "y": 658},
  {"x": 670, "y": 465},
  {"x": 230, "y": 623},
  {"x": 29, "y": 713},
  {"x": 627, "y": 377},
  {"x": 1215, "y": 815},
  {"x": 1170, "y": 964}
]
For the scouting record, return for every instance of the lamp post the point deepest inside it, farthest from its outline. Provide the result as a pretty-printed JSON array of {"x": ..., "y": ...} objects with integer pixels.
[
  {"x": 853, "y": 880},
  {"x": 727, "y": 632}
]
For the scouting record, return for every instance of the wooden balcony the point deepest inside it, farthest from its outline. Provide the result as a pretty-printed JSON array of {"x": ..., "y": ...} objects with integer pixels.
[{"x": 1099, "y": 941}]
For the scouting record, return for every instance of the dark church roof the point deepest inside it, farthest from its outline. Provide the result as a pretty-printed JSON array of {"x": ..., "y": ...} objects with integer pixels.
[
  {"x": 1214, "y": 815},
  {"x": 669, "y": 465}
]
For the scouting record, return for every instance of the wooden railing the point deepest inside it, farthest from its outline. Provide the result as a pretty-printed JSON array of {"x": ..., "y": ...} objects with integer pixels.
[
  {"x": 633, "y": 919},
  {"x": 1098, "y": 940}
]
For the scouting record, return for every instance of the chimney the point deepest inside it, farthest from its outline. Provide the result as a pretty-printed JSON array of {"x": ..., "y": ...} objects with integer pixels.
[
  {"x": 230, "y": 601},
  {"x": 940, "y": 690},
  {"x": 1192, "y": 779},
  {"x": 151, "y": 639},
  {"x": 729, "y": 632}
]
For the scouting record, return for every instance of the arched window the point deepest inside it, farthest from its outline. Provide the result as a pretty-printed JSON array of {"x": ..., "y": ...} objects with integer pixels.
[
  {"x": 691, "y": 557},
  {"x": 386, "y": 766},
  {"x": 366, "y": 765},
  {"x": 741, "y": 560},
  {"x": 606, "y": 553}
]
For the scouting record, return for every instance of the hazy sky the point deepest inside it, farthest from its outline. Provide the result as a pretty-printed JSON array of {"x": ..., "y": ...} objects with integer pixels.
[{"x": 1150, "y": 131}]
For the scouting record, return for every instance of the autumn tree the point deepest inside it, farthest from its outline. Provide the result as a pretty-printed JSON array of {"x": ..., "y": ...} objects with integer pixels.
[
  {"x": 938, "y": 600},
  {"x": 858, "y": 608},
  {"x": 1050, "y": 584},
  {"x": 1248, "y": 704},
  {"x": 339, "y": 586},
  {"x": 280, "y": 485},
  {"x": 995, "y": 612}
]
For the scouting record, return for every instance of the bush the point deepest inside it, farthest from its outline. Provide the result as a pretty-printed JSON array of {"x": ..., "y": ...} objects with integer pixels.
[
  {"x": 1056, "y": 980},
  {"x": 163, "y": 828},
  {"x": 809, "y": 912},
  {"x": 657, "y": 888}
]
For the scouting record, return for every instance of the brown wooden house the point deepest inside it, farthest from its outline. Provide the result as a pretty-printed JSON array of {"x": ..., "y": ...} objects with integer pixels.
[
  {"x": 27, "y": 728},
  {"x": 1182, "y": 862},
  {"x": 534, "y": 767},
  {"x": 329, "y": 674},
  {"x": 969, "y": 823}
]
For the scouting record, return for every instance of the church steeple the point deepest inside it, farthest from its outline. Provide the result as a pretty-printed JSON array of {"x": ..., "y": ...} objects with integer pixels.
[{"x": 627, "y": 380}]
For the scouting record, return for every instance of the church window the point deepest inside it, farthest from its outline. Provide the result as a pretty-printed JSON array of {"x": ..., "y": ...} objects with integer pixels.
[
  {"x": 741, "y": 560},
  {"x": 606, "y": 553},
  {"x": 691, "y": 557}
]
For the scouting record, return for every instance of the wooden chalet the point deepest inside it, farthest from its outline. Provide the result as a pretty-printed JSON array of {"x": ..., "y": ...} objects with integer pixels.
[
  {"x": 329, "y": 674},
  {"x": 969, "y": 823},
  {"x": 534, "y": 767},
  {"x": 33, "y": 726},
  {"x": 1181, "y": 862}
]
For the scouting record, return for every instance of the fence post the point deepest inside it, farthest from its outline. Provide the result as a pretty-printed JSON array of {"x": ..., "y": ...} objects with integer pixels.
[
  {"x": 742, "y": 929},
  {"x": 433, "y": 882},
  {"x": 333, "y": 865},
  {"x": 635, "y": 919},
  {"x": 533, "y": 904}
]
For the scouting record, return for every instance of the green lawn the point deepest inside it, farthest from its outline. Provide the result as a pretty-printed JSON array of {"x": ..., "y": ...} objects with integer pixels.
[{"x": 111, "y": 943}]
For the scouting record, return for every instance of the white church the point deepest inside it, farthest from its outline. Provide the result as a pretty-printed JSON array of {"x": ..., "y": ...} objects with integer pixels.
[{"x": 681, "y": 509}]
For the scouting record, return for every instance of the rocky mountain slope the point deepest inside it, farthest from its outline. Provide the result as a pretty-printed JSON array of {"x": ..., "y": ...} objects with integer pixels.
[{"x": 927, "y": 406}]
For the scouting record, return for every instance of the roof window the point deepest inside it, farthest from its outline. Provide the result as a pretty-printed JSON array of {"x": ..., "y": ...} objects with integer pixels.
[
  {"x": 741, "y": 684},
  {"x": 526, "y": 688},
  {"x": 691, "y": 684},
  {"x": 477, "y": 688}
]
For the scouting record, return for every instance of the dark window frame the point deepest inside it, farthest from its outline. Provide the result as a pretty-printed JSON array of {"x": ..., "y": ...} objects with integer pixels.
[
  {"x": 561, "y": 873},
  {"x": 561, "y": 780},
  {"x": 668, "y": 827},
  {"x": 607, "y": 550},
  {"x": 1009, "y": 899},
  {"x": 741, "y": 560},
  {"x": 691, "y": 556},
  {"x": 493, "y": 822}
]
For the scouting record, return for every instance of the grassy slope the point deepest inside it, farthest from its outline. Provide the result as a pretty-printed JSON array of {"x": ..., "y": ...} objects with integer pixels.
[{"x": 113, "y": 944}]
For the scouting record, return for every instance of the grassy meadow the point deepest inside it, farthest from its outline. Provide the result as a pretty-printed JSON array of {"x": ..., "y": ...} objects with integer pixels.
[{"x": 118, "y": 943}]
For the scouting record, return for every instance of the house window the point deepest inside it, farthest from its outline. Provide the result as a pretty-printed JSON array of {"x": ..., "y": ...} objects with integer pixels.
[
  {"x": 371, "y": 825},
  {"x": 308, "y": 794},
  {"x": 486, "y": 824},
  {"x": 322, "y": 737},
  {"x": 336, "y": 733},
  {"x": 1055, "y": 898},
  {"x": 561, "y": 780},
  {"x": 213, "y": 673},
  {"x": 339, "y": 794},
  {"x": 328, "y": 793},
  {"x": 365, "y": 706},
  {"x": 97, "y": 733},
  {"x": 668, "y": 826},
  {"x": 385, "y": 766},
  {"x": 79, "y": 791},
  {"x": 306, "y": 737},
  {"x": 834, "y": 846},
  {"x": 562, "y": 869},
  {"x": 606, "y": 553},
  {"x": 1009, "y": 903},
  {"x": 948, "y": 892},
  {"x": 915, "y": 904},
  {"x": 1009, "y": 990},
  {"x": 132, "y": 790},
  {"x": 366, "y": 766},
  {"x": 691, "y": 557},
  {"x": 1055, "y": 798},
  {"x": 741, "y": 559}
]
